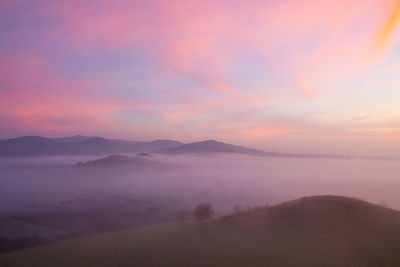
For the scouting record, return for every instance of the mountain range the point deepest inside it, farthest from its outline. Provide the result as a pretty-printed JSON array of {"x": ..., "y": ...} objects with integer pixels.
[
  {"x": 213, "y": 146},
  {"x": 27, "y": 146}
]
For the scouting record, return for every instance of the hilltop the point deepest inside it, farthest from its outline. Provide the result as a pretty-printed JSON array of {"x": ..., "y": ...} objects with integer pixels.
[
  {"x": 211, "y": 146},
  {"x": 311, "y": 231},
  {"x": 116, "y": 160}
]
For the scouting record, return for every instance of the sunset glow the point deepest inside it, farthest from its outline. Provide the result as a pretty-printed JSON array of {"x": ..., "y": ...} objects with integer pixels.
[{"x": 300, "y": 76}]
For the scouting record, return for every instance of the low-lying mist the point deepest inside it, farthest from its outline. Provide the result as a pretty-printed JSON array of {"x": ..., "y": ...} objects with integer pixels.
[{"x": 40, "y": 184}]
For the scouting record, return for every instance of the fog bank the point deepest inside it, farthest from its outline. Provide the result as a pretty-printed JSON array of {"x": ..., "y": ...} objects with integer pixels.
[{"x": 224, "y": 180}]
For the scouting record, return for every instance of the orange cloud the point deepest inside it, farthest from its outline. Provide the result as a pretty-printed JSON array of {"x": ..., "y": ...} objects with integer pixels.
[
  {"x": 27, "y": 112},
  {"x": 387, "y": 31}
]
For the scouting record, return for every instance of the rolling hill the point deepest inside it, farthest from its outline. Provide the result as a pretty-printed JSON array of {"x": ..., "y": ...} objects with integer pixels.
[
  {"x": 121, "y": 163},
  {"x": 114, "y": 161},
  {"x": 28, "y": 146},
  {"x": 213, "y": 146},
  {"x": 311, "y": 231},
  {"x": 16, "y": 234},
  {"x": 12, "y": 229},
  {"x": 76, "y": 145}
]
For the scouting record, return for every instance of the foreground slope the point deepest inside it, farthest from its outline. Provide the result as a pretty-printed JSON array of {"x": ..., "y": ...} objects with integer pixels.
[
  {"x": 312, "y": 231},
  {"x": 13, "y": 229},
  {"x": 15, "y": 234}
]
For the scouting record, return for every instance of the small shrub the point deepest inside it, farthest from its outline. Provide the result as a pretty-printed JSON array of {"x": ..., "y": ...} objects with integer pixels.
[{"x": 203, "y": 211}]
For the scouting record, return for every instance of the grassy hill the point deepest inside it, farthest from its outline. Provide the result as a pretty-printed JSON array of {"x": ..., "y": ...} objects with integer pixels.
[
  {"x": 13, "y": 229},
  {"x": 312, "y": 231},
  {"x": 15, "y": 234}
]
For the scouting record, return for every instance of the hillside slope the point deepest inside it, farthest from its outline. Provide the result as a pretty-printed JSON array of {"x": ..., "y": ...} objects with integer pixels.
[
  {"x": 12, "y": 229},
  {"x": 15, "y": 234},
  {"x": 312, "y": 231},
  {"x": 211, "y": 146}
]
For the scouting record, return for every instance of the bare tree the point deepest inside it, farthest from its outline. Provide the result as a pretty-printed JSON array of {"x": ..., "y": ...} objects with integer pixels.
[{"x": 203, "y": 211}]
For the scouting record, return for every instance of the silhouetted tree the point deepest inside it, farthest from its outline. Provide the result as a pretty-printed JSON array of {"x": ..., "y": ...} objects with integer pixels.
[{"x": 203, "y": 211}]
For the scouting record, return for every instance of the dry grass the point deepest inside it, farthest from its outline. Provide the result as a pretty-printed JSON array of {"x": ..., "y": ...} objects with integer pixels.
[{"x": 314, "y": 231}]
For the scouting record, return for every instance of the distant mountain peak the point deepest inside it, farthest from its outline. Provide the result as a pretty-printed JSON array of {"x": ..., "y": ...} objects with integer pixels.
[
  {"x": 211, "y": 141},
  {"x": 27, "y": 146},
  {"x": 72, "y": 139},
  {"x": 211, "y": 146},
  {"x": 97, "y": 141},
  {"x": 166, "y": 141},
  {"x": 27, "y": 139}
]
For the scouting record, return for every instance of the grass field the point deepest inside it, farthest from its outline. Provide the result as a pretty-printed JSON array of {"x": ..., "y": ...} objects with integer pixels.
[{"x": 314, "y": 231}]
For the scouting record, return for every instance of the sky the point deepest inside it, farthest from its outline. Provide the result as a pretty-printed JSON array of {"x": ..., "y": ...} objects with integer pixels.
[{"x": 282, "y": 75}]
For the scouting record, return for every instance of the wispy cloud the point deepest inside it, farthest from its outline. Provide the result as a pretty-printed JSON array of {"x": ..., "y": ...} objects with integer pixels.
[{"x": 197, "y": 64}]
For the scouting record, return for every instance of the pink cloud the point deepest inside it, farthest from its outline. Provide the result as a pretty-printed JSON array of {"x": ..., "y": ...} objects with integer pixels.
[
  {"x": 201, "y": 41},
  {"x": 266, "y": 132},
  {"x": 306, "y": 88},
  {"x": 177, "y": 116},
  {"x": 199, "y": 50}
]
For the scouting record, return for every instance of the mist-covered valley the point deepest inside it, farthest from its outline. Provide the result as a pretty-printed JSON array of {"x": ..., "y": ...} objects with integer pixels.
[
  {"x": 48, "y": 199},
  {"x": 173, "y": 182}
]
